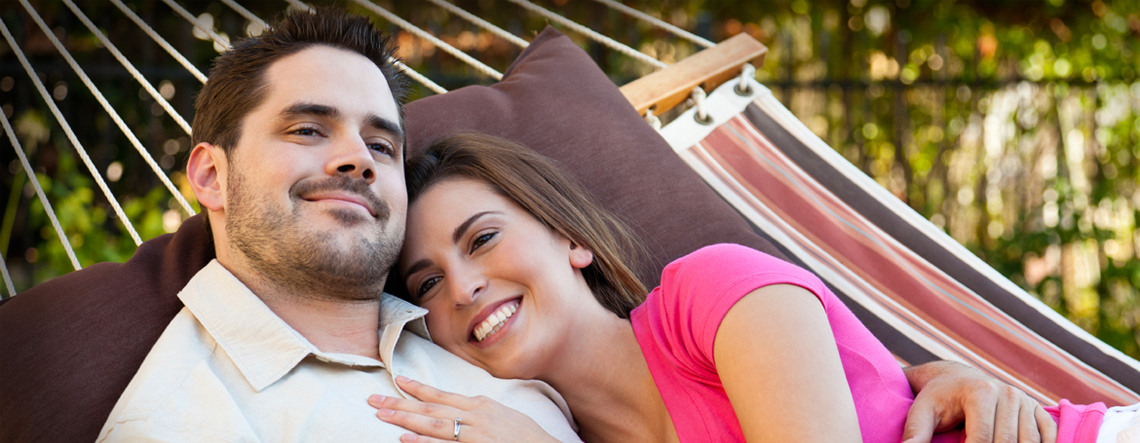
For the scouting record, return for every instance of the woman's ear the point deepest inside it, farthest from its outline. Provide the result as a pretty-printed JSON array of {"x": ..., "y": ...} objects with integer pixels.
[
  {"x": 206, "y": 171},
  {"x": 580, "y": 256}
]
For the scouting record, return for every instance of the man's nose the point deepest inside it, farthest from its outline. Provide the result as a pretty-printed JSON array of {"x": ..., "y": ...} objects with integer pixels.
[{"x": 351, "y": 156}]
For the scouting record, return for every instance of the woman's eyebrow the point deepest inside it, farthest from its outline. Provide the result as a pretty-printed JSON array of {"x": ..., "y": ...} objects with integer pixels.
[{"x": 463, "y": 227}]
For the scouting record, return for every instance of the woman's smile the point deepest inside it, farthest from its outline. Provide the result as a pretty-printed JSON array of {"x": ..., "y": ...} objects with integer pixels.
[{"x": 489, "y": 326}]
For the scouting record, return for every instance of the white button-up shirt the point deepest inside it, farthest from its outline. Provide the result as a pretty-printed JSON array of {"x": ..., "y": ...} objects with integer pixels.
[{"x": 228, "y": 369}]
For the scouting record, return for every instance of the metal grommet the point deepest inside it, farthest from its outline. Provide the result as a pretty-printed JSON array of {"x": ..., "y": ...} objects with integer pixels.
[
  {"x": 704, "y": 121},
  {"x": 743, "y": 92}
]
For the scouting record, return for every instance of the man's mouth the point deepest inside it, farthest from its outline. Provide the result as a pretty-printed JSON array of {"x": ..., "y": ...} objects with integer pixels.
[
  {"x": 343, "y": 197},
  {"x": 496, "y": 319}
]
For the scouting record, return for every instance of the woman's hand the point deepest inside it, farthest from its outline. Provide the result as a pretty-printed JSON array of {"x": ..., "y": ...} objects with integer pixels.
[
  {"x": 949, "y": 393},
  {"x": 439, "y": 416}
]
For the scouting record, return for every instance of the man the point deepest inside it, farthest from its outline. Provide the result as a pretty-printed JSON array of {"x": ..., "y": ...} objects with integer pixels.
[{"x": 298, "y": 164}]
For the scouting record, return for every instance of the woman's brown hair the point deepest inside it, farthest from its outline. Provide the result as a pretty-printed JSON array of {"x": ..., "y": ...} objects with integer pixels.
[{"x": 550, "y": 195}]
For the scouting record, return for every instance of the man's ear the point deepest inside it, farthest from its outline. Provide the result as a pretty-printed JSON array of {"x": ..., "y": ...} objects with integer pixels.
[
  {"x": 580, "y": 256},
  {"x": 206, "y": 170}
]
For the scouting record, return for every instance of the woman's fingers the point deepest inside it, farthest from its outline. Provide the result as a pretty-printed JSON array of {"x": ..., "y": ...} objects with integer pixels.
[
  {"x": 429, "y": 394},
  {"x": 1045, "y": 424},
  {"x": 1028, "y": 431},
  {"x": 424, "y": 425},
  {"x": 413, "y": 438}
]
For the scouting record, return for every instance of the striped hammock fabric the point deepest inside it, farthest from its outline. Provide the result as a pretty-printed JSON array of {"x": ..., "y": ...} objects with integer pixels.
[{"x": 923, "y": 294}]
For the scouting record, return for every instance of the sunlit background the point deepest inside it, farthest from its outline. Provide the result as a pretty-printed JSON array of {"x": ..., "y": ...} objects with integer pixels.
[{"x": 1011, "y": 124}]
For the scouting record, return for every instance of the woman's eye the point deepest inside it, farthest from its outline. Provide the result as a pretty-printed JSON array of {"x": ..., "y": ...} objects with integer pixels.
[
  {"x": 482, "y": 240},
  {"x": 426, "y": 286}
]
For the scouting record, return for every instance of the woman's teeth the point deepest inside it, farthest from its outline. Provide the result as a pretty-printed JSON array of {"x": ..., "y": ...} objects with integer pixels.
[{"x": 495, "y": 321}]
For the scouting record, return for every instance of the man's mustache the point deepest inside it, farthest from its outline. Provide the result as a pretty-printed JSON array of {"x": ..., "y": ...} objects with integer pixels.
[{"x": 345, "y": 183}]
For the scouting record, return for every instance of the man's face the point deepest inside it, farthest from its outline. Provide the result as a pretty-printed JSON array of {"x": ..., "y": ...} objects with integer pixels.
[{"x": 315, "y": 196}]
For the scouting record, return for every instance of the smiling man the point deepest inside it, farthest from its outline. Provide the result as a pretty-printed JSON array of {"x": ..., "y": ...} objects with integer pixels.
[{"x": 298, "y": 164}]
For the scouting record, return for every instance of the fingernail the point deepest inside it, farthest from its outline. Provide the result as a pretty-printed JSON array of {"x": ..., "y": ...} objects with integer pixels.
[
  {"x": 375, "y": 399},
  {"x": 408, "y": 437},
  {"x": 402, "y": 379},
  {"x": 385, "y": 413}
]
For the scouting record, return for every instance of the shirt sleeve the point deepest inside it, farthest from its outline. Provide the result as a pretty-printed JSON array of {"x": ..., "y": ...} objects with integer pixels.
[{"x": 699, "y": 289}]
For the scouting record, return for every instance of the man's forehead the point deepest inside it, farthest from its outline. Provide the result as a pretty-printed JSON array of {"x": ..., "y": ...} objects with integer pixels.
[{"x": 332, "y": 77}]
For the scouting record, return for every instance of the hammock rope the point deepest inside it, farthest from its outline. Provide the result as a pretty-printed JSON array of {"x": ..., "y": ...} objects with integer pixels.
[
  {"x": 161, "y": 41},
  {"x": 245, "y": 13},
  {"x": 500, "y": 32},
  {"x": 63, "y": 121},
  {"x": 657, "y": 22},
  {"x": 103, "y": 100},
  {"x": 419, "y": 78},
  {"x": 130, "y": 68},
  {"x": 407, "y": 26},
  {"x": 606, "y": 41},
  {"x": 299, "y": 5},
  {"x": 7, "y": 278},
  {"x": 98, "y": 96},
  {"x": 35, "y": 180},
  {"x": 747, "y": 72},
  {"x": 209, "y": 30},
  {"x": 114, "y": 115}
]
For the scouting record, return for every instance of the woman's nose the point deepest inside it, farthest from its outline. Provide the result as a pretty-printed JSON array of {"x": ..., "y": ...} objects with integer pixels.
[{"x": 468, "y": 284}]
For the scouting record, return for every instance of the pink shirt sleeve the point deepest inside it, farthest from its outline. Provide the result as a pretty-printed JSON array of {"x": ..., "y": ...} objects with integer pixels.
[
  {"x": 703, "y": 287},
  {"x": 677, "y": 326}
]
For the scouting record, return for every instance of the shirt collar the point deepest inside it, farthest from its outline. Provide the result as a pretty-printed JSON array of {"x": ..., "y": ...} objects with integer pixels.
[{"x": 265, "y": 348}]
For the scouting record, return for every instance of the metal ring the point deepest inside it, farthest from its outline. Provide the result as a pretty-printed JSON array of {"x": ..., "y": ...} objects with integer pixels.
[
  {"x": 704, "y": 121},
  {"x": 458, "y": 423},
  {"x": 743, "y": 92}
]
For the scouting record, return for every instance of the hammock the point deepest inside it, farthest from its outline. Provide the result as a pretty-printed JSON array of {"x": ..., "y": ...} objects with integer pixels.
[{"x": 736, "y": 167}]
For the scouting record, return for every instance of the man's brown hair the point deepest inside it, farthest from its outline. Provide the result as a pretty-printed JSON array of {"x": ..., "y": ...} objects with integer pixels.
[
  {"x": 237, "y": 82},
  {"x": 549, "y": 194}
]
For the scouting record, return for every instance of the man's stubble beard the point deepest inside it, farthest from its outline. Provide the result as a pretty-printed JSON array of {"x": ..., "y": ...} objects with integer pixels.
[{"x": 312, "y": 263}]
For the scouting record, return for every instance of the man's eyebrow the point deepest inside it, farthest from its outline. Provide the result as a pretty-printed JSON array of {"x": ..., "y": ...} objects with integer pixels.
[
  {"x": 463, "y": 227},
  {"x": 379, "y": 123},
  {"x": 305, "y": 108}
]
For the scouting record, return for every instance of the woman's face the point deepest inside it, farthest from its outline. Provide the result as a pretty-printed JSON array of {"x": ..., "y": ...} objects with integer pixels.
[{"x": 501, "y": 288}]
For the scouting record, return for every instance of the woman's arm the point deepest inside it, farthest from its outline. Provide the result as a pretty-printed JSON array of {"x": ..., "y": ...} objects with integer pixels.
[{"x": 778, "y": 362}]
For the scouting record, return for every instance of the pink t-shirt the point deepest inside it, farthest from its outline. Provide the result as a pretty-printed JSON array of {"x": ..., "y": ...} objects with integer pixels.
[{"x": 676, "y": 328}]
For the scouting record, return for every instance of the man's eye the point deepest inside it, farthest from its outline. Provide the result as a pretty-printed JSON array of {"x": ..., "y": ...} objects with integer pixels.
[
  {"x": 426, "y": 286},
  {"x": 305, "y": 132},
  {"x": 482, "y": 240},
  {"x": 384, "y": 148}
]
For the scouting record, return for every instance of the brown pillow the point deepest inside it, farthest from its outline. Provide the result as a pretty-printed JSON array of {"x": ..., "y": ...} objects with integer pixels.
[
  {"x": 555, "y": 100},
  {"x": 69, "y": 347}
]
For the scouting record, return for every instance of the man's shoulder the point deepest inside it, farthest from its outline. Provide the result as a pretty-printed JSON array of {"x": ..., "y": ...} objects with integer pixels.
[{"x": 175, "y": 388}]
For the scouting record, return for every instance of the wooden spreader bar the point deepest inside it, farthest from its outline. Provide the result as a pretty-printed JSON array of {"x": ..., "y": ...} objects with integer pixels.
[{"x": 664, "y": 89}]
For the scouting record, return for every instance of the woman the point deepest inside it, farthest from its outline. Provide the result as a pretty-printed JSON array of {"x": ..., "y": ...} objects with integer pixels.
[{"x": 526, "y": 277}]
